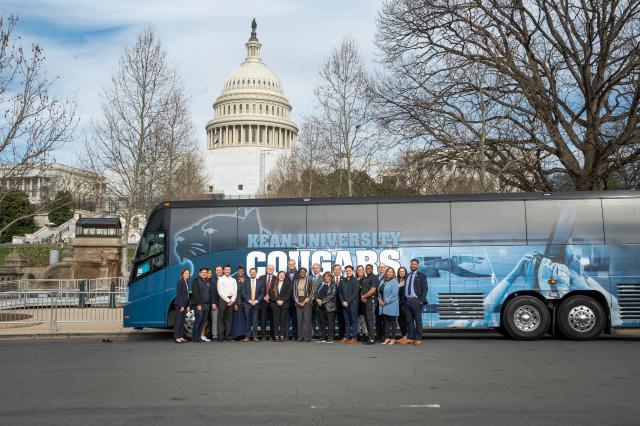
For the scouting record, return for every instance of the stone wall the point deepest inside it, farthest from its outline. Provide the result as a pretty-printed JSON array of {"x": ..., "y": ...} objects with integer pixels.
[{"x": 96, "y": 257}]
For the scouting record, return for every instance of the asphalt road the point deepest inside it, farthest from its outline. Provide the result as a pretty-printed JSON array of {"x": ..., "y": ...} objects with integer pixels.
[{"x": 462, "y": 379}]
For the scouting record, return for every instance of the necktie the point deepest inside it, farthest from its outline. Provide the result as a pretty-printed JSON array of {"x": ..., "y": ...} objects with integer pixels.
[
  {"x": 268, "y": 283},
  {"x": 253, "y": 289},
  {"x": 410, "y": 285}
]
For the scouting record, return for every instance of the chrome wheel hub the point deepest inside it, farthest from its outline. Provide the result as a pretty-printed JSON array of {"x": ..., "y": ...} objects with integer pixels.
[
  {"x": 526, "y": 318},
  {"x": 189, "y": 319},
  {"x": 582, "y": 318}
]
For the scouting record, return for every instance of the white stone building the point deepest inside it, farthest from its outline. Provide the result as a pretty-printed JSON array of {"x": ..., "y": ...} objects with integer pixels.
[
  {"x": 42, "y": 182},
  {"x": 251, "y": 129}
]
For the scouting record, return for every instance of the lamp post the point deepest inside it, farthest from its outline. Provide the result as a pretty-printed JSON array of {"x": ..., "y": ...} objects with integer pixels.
[{"x": 263, "y": 169}]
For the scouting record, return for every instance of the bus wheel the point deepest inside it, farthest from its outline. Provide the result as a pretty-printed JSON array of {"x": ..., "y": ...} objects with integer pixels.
[
  {"x": 526, "y": 318},
  {"x": 581, "y": 318},
  {"x": 189, "y": 319},
  {"x": 500, "y": 329}
]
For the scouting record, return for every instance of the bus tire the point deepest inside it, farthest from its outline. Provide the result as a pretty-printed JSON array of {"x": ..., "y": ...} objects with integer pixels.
[
  {"x": 500, "y": 329},
  {"x": 581, "y": 318},
  {"x": 189, "y": 319},
  {"x": 526, "y": 318}
]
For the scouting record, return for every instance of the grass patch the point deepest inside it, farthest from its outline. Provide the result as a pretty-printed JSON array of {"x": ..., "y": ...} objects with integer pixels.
[
  {"x": 36, "y": 254},
  {"x": 4, "y": 251}
]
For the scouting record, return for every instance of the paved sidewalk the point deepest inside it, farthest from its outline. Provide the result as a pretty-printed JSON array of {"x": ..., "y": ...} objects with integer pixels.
[{"x": 109, "y": 330}]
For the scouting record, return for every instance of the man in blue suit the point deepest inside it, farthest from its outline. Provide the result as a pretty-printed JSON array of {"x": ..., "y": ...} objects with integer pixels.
[
  {"x": 252, "y": 294},
  {"x": 415, "y": 295},
  {"x": 291, "y": 276}
]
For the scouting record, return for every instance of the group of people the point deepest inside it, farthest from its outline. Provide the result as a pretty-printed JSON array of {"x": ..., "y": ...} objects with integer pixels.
[{"x": 304, "y": 306}]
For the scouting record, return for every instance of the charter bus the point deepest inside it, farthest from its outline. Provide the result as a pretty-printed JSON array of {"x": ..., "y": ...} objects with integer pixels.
[{"x": 525, "y": 264}]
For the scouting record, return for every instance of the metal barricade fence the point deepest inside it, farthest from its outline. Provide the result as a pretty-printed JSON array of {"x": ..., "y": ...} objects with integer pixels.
[
  {"x": 23, "y": 308},
  {"x": 90, "y": 302},
  {"x": 63, "y": 284},
  {"x": 89, "y": 306}
]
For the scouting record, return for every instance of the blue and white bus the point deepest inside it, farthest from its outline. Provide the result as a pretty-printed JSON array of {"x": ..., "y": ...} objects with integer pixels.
[{"x": 525, "y": 264}]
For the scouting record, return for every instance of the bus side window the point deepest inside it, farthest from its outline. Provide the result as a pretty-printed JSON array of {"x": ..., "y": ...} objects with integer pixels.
[
  {"x": 488, "y": 223},
  {"x": 622, "y": 220},
  {"x": 152, "y": 251}
]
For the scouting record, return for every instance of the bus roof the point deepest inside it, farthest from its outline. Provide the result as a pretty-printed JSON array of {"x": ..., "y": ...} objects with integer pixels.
[{"x": 513, "y": 196}]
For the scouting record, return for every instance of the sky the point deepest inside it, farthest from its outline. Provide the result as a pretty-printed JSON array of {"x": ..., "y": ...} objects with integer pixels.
[{"x": 205, "y": 40}]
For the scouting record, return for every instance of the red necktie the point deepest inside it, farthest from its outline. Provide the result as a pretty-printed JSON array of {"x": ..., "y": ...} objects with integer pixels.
[{"x": 268, "y": 283}]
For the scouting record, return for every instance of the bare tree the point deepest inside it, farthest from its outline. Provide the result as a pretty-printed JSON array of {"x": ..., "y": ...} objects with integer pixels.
[
  {"x": 558, "y": 94},
  {"x": 188, "y": 180},
  {"x": 34, "y": 123},
  {"x": 145, "y": 133},
  {"x": 345, "y": 114},
  {"x": 179, "y": 148},
  {"x": 288, "y": 181},
  {"x": 419, "y": 171}
]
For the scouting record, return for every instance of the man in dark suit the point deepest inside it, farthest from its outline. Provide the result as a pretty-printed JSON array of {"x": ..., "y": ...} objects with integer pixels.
[
  {"x": 415, "y": 293},
  {"x": 291, "y": 275},
  {"x": 367, "y": 296},
  {"x": 349, "y": 295},
  {"x": 201, "y": 297},
  {"x": 252, "y": 294},
  {"x": 266, "y": 314},
  {"x": 337, "y": 280},
  {"x": 316, "y": 280}
]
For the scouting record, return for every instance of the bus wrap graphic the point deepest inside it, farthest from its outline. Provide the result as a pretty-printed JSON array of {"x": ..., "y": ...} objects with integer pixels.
[{"x": 471, "y": 281}]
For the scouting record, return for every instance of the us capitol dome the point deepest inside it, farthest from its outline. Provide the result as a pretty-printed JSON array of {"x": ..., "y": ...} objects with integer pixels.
[{"x": 251, "y": 128}]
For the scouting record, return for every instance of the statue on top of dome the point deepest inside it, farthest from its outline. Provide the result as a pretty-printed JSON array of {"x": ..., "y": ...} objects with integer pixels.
[{"x": 254, "y": 25}]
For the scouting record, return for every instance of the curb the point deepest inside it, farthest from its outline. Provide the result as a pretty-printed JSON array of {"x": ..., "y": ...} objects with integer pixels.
[{"x": 69, "y": 336}]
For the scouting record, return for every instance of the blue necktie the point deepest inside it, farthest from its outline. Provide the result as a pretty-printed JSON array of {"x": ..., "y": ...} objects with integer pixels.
[{"x": 410, "y": 286}]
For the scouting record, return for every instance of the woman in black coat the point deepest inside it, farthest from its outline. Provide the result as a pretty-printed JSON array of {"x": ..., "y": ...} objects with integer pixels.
[
  {"x": 181, "y": 305},
  {"x": 280, "y": 295}
]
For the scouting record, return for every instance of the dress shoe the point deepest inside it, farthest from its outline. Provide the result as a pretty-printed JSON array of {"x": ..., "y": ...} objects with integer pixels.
[
  {"x": 405, "y": 342},
  {"x": 417, "y": 342},
  {"x": 402, "y": 340},
  {"x": 353, "y": 341},
  {"x": 246, "y": 339},
  {"x": 344, "y": 340}
]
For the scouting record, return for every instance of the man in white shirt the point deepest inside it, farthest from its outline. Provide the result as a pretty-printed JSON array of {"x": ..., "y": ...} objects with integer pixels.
[{"x": 227, "y": 290}]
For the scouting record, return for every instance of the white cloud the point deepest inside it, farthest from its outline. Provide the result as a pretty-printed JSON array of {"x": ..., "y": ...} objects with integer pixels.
[{"x": 205, "y": 39}]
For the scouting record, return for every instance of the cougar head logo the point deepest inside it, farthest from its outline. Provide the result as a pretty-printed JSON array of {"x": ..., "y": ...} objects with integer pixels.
[{"x": 199, "y": 238}]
